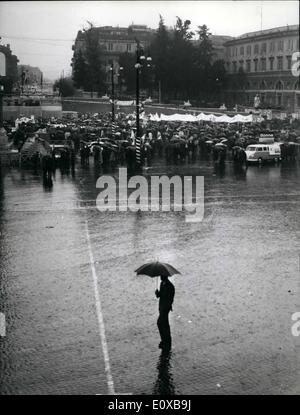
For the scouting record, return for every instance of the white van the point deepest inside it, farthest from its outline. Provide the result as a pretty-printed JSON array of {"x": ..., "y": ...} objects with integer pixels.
[{"x": 263, "y": 152}]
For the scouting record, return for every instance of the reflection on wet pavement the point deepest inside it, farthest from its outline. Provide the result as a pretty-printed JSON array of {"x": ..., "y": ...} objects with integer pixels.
[
  {"x": 164, "y": 383},
  {"x": 233, "y": 305}
]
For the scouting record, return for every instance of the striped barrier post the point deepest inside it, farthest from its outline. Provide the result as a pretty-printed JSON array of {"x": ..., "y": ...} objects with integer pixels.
[{"x": 137, "y": 135}]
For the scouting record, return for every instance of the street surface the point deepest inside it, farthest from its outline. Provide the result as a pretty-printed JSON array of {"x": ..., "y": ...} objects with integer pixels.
[{"x": 66, "y": 268}]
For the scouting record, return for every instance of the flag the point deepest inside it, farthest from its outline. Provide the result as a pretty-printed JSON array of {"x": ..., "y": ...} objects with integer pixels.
[{"x": 113, "y": 128}]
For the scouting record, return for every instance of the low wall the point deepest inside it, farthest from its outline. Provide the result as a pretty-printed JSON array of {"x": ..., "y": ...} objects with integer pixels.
[
  {"x": 12, "y": 112},
  {"x": 93, "y": 106},
  {"x": 88, "y": 106}
]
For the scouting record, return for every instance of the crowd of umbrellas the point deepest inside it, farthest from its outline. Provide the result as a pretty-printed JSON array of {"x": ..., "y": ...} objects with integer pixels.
[{"x": 113, "y": 144}]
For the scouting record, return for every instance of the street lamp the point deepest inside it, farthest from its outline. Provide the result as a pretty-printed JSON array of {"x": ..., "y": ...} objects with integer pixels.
[
  {"x": 1, "y": 105},
  {"x": 140, "y": 62},
  {"x": 113, "y": 73}
]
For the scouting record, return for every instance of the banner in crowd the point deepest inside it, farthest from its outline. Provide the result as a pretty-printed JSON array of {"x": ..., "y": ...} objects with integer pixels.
[
  {"x": 125, "y": 103},
  {"x": 207, "y": 117}
]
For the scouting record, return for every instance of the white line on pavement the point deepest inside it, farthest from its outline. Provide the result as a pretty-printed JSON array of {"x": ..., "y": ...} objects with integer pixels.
[
  {"x": 110, "y": 382},
  {"x": 2, "y": 325}
]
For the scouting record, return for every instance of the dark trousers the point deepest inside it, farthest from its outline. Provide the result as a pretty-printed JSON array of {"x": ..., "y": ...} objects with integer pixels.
[{"x": 164, "y": 328}]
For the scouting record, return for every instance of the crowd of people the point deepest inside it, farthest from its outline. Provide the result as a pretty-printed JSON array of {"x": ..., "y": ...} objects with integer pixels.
[{"x": 113, "y": 143}]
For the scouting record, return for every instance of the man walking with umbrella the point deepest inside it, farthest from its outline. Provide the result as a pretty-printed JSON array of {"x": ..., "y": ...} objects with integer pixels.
[
  {"x": 165, "y": 294},
  {"x": 166, "y": 297}
]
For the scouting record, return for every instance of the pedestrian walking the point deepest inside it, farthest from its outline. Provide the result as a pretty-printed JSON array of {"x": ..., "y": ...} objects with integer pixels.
[{"x": 166, "y": 295}]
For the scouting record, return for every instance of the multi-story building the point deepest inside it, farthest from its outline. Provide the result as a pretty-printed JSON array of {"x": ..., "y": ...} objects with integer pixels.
[
  {"x": 32, "y": 75},
  {"x": 10, "y": 62},
  {"x": 116, "y": 40},
  {"x": 260, "y": 63}
]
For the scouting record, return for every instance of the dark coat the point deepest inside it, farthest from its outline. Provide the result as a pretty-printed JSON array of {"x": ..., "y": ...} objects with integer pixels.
[{"x": 166, "y": 296}]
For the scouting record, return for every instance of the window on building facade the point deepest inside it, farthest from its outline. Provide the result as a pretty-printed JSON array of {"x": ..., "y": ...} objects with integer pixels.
[
  {"x": 263, "y": 85},
  {"x": 248, "y": 66},
  {"x": 289, "y": 44},
  {"x": 280, "y": 45},
  {"x": 234, "y": 66},
  {"x": 242, "y": 50},
  {"x": 289, "y": 62},
  {"x": 249, "y": 50},
  {"x": 279, "y": 99},
  {"x": 110, "y": 46},
  {"x": 279, "y": 85},
  {"x": 263, "y": 65},
  {"x": 256, "y": 49},
  {"x": 298, "y": 101},
  {"x": 279, "y": 63},
  {"x": 271, "y": 60},
  {"x": 255, "y": 65},
  {"x": 128, "y": 47},
  {"x": 263, "y": 48},
  {"x": 272, "y": 47}
]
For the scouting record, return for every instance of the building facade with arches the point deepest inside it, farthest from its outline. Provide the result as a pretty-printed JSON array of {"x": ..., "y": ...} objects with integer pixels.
[{"x": 261, "y": 63}]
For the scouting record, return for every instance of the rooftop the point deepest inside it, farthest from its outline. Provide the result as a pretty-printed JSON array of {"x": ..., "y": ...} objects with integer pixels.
[{"x": 274, "y": 30}]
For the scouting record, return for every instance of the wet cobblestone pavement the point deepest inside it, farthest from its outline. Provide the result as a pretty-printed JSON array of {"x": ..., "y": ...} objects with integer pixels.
[{"x": 231, "y": 323}]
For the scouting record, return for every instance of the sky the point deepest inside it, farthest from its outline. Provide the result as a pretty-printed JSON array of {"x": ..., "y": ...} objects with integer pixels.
[{"x": 41, "y": 33}]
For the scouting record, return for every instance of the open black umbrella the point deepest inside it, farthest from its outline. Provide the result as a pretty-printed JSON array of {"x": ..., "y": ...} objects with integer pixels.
[{"x": 157, "y": 269}]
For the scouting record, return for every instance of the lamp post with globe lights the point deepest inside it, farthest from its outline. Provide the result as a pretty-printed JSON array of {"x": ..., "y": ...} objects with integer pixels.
[
  {"x": 113, "y": 74},
  {"x": 141, "y": 61}
]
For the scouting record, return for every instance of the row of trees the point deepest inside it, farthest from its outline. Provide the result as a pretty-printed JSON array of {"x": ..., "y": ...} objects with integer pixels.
[{"x": 183, "y": 68}]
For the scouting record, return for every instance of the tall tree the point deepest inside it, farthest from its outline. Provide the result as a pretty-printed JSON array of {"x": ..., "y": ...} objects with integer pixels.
[
  {"x": 65, "y": 87},
  {"x": 182, "y": 29},
  {"x": 218, "y": 79},
  {"x": 160, "y": 51},
  {"x": 181, "y": 60},
  {"x": 127, "y": 61},
  {"x": 95, "y": 76},
  {"x": 205, "y": 46},
  {"x": 79, "y": 70},
  {"x": 204, "y": 81}
]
